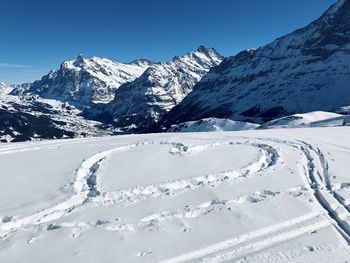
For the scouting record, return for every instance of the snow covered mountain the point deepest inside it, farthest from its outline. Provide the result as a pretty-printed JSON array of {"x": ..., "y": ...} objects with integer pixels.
[
  {"x": 304, "y": 71},
  {"x": 28, "y": 118},
  {"x": 4, "y": 89},
  {"x": 85, "y": 81},
  {"x": 19, "y": 89},
  {"x": 52, "y": 107},
  {"x": 142, "y": 102},
  {"x": 345, "y": 110}
]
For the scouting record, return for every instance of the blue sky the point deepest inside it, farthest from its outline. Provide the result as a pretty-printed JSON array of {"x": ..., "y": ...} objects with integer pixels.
[{"x": 37, "y": 35}]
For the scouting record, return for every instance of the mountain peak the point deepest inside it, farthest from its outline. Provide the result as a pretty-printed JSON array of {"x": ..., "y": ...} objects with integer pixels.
[
  {"x": 202, "y": 48},
  {"x": 341, "y": 4},
  {"x": 331, "y": 30},
  {"x": 142, "y": 62},
  {"x": 209, "y": 52},
  {"x": 203, "y": 54},
  {"x": 206, "y": 50},
  {"x": 79, "y": 60},
  {"x": 80, "y": 56}
]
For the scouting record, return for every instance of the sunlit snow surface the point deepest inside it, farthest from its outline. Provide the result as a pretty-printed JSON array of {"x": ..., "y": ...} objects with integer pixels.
[{"x": 250, "y": 196}]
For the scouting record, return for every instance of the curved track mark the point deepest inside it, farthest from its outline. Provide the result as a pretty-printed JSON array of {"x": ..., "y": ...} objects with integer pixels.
[{"x": 86, "y": 188}]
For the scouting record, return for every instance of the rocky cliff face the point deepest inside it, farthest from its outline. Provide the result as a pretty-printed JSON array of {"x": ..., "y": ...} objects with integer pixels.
[{"x": 304, "y": 71}]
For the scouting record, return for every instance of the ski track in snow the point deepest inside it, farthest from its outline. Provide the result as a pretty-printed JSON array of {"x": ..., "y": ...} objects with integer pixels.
[
  {"x": 317, "y": 177},
  {"x": 319, "y": 254},
  {"x": 328, "y": 199},
  {"x": 81, "y": 194},
  {"x": 316, "y": 174},
  {"x": 254, "y": 241},
  {"x": 190, "y": 212},
  {"x": 268, "y": 158},
  {"x": 331, "y": 209},
  {"x": 86, "y": 189}
]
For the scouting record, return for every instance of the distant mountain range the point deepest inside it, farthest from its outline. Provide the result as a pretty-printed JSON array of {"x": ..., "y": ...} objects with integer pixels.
[
  {"x": 84, "y": 81},
  {"x": 306, "y": 70},
  {"x": 104, "y": 97}
]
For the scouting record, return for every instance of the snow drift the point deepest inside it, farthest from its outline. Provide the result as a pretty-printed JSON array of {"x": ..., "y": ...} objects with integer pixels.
[{"x": 212, "y": 125}]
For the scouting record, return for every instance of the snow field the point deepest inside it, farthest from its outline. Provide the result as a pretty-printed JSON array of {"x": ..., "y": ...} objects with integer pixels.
[{"x": 253, "y": 196}]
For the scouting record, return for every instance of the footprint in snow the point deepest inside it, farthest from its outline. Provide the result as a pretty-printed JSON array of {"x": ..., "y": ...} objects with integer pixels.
[
  {"x": 6, "y": 219},
  {"x": 33, "y": 239},
  {"x": 101, "y": 222},
  {"x": 144, "y": 253},
  {"x": 53, "y": 227}
]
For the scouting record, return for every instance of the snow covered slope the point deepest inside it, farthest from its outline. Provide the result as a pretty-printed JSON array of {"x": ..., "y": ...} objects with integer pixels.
[
  {"x": 4, "y": 89},
  {"x": 20, "y": 88},
  {"x": 311, "y": 119},
  {"x": 304, "y": 71},
  {"x": 141, "y": 103},
  {"x": 250, "y": 196},
  {"x": 344, "y": 110},
  {"x": 31, "y": 118},
  {"x": 212, "y": 124},
  {"x": 83, "y": 81}
]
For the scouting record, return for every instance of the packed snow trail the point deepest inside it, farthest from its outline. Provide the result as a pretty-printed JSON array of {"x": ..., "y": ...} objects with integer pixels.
[
  {"x": 268, "y": 158},
  {"x": 317, "y": 176},
  {"x": 81, "y": 194},
  {"x": 257, "y": 240},
  {"x": 316, "y": 173},
  {"x": 85, "y": 187}
]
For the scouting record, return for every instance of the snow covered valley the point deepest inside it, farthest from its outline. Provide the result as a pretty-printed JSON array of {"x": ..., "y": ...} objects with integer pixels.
[{"x": 280, "y": 195}]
